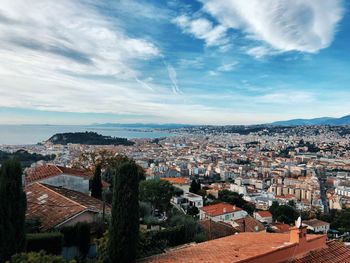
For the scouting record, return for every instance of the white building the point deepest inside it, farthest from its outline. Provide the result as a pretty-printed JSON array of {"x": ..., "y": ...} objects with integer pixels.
[
  {"x": 317, "y": 226},
  {"x": 221, "y": 212}
]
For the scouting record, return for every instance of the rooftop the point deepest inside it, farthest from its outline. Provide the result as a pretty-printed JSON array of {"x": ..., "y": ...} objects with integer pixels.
[
  {"x": 233, "y": 248},
  {"x": 219, "y": 209},
  {"x": 54, "y": 205}
]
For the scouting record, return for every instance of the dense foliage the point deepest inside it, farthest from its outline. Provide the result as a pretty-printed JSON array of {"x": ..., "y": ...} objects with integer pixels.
[
  {"x": 38, "y": 257},
  {"x": 24, "y": 157},
  {"x": 124, "y": 226},
  {"x": 195, "y": 186},
  {"x": 77, "y": 235},
  {"x": 89, "y": 138},
  {"x": 339, "y": 219},
  {"x": 157, "y": 192},
  {"x": 12, "y": 210},
  {"x": 96, "y": 184},
  {"x": 181, "y": 230},
  {"x": 50, "y": 242},
  {"x": 283, "y": 213}
]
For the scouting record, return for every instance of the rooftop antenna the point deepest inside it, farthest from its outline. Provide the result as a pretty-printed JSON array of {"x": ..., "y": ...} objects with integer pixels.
[{"x": 298, "y": 222}]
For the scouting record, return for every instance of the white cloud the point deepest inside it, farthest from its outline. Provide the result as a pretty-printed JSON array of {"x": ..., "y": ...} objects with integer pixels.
[
  {"x": 203, "y": 29},
  {"x": 287, "y": 97},
  {"x": 227, "y": 67},
  {"x": 173, "y": 78},
  {"x": 65, "y": 56},
  {"x": 284, "y": 25}
]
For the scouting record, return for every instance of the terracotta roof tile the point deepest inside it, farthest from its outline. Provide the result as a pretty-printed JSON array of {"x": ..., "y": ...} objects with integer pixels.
[
  {"x": 175, "y": 180},
  {"x": 46, "y": 171},
  {"x": 249, "y": 224},
  {"x": 234, "y": 248},
  {"x": 50, "y": 207},
  {"x": 264, "y": 213},
  {"x": 219, "y": 209},
  {"x": 335, "y": 252},
  {"x": 41, "y": 172},
  {"x": 54, "y": 205}
]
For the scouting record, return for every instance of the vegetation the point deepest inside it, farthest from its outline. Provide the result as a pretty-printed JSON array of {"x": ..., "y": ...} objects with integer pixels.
[
  {"x": 283, "y": 213},
  {"x": 124, "y": 227},
  {"x": 24, "y": 157},
  {"x": 37, "y": 257},
  {"x": 79, "y": 236},
  {"x": 12, "y": 210},
  {"x": 339, "y": 219},
  {"x": 195, "y": 186},
  {"x": 96, "y": 184},
  {"x": 50, "y": 242},
  {"x": 181, "y": 229},
  {"x": 234, "y": 198},
  {"x": 89, "y": 138},
  {"x": 157, "y": 192}
]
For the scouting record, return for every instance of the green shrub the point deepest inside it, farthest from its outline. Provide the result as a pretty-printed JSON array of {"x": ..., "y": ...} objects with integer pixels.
[
  {"x": 77, "y": 235},
  {"x": 37, "y": 257},
  {"x": 50, "y": 242}
]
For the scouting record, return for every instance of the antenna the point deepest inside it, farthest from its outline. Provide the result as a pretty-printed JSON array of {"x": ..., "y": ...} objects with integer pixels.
[{"x": 298, "y": 222}]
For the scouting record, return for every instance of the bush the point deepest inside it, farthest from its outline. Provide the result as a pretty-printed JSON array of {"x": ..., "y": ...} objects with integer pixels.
[
  {"x": 77, "y": 235},
  {"x": 50, "y": 242},
  {"x": 37, "y": 257}
]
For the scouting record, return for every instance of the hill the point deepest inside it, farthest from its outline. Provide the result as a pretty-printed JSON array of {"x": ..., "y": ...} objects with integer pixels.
[
  {"x": 89, "y": 138},
  {"x": 345, "y": 120}
]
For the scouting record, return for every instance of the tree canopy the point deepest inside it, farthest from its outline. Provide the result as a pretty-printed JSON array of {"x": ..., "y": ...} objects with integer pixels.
[
  {"x": 124, "y": 226},
  {"x": 96, "y": 184},
  {"x": 12, "y": 210},
  {"x": 157, "y": 192}
]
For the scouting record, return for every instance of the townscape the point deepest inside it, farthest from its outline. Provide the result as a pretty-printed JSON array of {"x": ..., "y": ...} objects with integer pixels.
[{"x": 223, "y": 184}]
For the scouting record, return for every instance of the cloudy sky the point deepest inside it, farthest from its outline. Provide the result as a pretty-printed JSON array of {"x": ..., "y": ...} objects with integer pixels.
[{"x": 174, "y": 61}]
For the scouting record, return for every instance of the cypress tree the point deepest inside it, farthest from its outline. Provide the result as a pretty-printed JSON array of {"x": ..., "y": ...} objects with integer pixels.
[
  {"x": 124, "y": 227},
  {"x": 12, "y": 210},
  {"x": 96, "y": 185}
]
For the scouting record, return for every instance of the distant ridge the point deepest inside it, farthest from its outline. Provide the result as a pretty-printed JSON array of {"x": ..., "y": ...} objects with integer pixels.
[
  {"x": 345, "y": 120},
  {"x": 143, "y": 125}
]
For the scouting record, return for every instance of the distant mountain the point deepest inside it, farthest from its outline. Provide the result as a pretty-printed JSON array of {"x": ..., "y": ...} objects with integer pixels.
[
  {"x": 317, "y": 121},
  {"x": 143, "y": 125}
]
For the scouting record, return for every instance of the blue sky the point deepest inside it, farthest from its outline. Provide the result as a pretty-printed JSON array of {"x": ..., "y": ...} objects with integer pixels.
[{"x": 199, "y": 62}]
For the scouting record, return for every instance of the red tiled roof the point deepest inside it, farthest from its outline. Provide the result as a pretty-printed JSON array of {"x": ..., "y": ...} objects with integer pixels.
[
  {"x": 214, "y": 230},
  {"x": 335, "y": 252},
  {"x": 249, "y": 224},
  {"x": 50, "y": 207},
  {"x": 280, "y": 227},
  {"x": 41, "y": 172},
  {"x": 175, "y": 180},
  {"x": 87, "y": 201},
  {"x": 54, "y": 205},
  {"x": 234, "y": 248},
  {"x": 219, "y": 209},
  {"x": 46, "y": 171},
  {"x": 77, "y": 172},
  {"x": 264, "y": 213}
]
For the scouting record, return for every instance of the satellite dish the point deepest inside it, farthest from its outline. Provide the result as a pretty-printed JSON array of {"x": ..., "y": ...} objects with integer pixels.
[{"x": 298, "y": 222}]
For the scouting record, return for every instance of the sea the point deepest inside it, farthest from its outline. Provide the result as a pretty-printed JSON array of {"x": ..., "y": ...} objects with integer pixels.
[{"x": 33, "y": 134}]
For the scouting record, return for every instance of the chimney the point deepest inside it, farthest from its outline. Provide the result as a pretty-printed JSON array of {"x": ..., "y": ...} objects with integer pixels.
[
  {"x": 234, "y": 208},
  {"x": 224, "y": 210},
  {"x": 298, "y": 235}
]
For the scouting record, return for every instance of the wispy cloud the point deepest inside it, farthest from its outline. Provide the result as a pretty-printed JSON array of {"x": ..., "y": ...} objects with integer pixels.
[
  {"x": 299, "y": 25},
  {"x": 173, "y": 78},
  {"x": 203, "y": 29}
]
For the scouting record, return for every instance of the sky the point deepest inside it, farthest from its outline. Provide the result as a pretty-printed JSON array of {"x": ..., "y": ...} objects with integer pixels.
[{"x": 173, "y": 61}]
